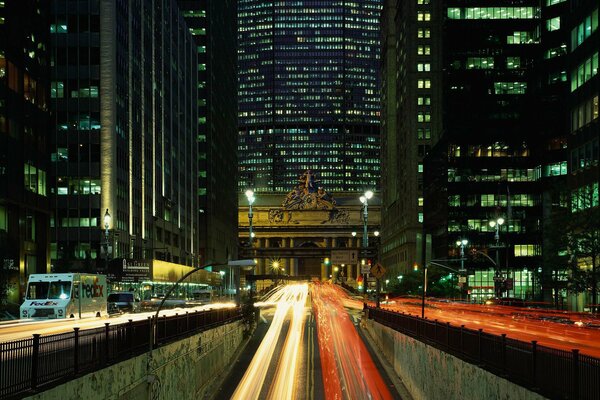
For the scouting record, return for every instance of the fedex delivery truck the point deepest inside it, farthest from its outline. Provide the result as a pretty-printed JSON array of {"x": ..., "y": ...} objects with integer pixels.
[{"x": 75, "y": 295}]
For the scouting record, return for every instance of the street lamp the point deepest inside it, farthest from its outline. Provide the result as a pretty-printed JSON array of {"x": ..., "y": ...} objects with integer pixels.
[
  {"x": 107, "y": 219},
  {"x": 497, "y": 278},
  {"x": 462, "y": 271},
  {"x": 251, "y": 198},
  {"x": 364, "y": 199},
  {"x": 496, "y": 224}
]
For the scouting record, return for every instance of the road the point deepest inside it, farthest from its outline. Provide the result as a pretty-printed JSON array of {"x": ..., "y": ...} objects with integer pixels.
[
  {"x": 310, "y": 350},
  {"x": 21, "y": 329},
  {"x": 556, "y": 329}
]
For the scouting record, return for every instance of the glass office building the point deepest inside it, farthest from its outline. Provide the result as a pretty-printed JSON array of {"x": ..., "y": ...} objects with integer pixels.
[
  {"x": 124, "y": 97},
  {"x": 308, "y": 93}
]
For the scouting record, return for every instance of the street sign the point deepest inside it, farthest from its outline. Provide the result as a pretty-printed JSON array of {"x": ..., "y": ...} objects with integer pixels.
[
  {"x": 344, "y": 257},
  {"x": 377, "y": 270},
  {"x": 365, "y": 269},
  {"x": 462, "y": 279}
]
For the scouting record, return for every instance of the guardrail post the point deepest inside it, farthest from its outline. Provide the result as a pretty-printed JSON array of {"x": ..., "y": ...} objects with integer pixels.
[
  {"x": 504, "y": 353},
  {"x": 76, "y": 351},
  {"x": 34, "y": 360},
  {"x": 187, "y": 322},
  {"x": 575, "y": 353},
  {"x": 164, "y": 327},
  {"x": 479, "y": 345},
  {"x": 533, "y": 362},
  {"x": 130, "y": 336},
  {"x": 435, "y": 325},
  {"x": 106, "y": 342},
  {"x": 448, "y": 334},
  {"x": 462, "y": 341}
]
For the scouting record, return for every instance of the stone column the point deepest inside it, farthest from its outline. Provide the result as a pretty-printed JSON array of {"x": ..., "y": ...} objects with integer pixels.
[
  {"x": 324, "y": 275},
  {"x": 293, "y": 261}
]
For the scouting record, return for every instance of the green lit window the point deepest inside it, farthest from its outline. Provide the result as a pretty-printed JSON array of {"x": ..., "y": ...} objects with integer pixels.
[
  {"x": 488, "y": 200},
  {"x": 57, "y": 90},
  {"x": 420, "y": 201},
  {"x": 35, "y": 179},
  {"x": 480, "y": 63},
  {"x": 513, "y": 62},
  {"x": 3, "y": 219},
  {"x": 585, "y": 29},
  {"x": 198, "y": 31},
  {"x": 420, "y": 216},
  {"x": 510, "y": 87},
  {"x": 527, "y": 250},
  {"x": 520, "y": 37},
  {"x": 493, "y": 12},
  {"x": 201, "y": 49},
  {"x": 420, "y": 168},
  {"x": 584, "y": 72},
  {"x": 59, "y": 28},
  {"x": 553, "y": 2},
  {"x": 454, "y": 200},
  {"x": 424, "y": 100},
  {"x": 553, "y": 24},
  {"x": 201, "y": 67}
]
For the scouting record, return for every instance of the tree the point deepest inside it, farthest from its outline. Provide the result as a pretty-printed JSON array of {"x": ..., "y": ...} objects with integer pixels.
[{"x": 583, "y": 239}]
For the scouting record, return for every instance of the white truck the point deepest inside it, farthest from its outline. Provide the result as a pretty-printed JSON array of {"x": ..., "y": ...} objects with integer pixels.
[{"x": 75, "y": 295}]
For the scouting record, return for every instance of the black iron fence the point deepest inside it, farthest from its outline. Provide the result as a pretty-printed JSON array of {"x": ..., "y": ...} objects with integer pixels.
[
  {"x": 29, "y": 365},
  {"x": 557, "y": 374}
]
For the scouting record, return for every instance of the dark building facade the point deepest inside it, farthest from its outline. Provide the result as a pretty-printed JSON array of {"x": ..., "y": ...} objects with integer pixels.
[
  {"x": 24, "y": 121},
  {"x": 212, "y": 24},
  {"x": 497, "y": 107},
  {"x": 466, "y": 140},
  {"x": 308, "y": 93},
  {"x": 125, "y": 129}
]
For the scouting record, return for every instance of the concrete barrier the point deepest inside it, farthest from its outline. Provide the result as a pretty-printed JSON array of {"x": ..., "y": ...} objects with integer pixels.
[
  {"x": 180, "y": 370},
  {"x": 431, "y": 374}
]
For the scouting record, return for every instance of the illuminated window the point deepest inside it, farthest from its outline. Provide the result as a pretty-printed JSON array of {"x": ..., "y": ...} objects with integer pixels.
[
  {"x": 423, "y": 67},
  {"x": 424, "y": 33},
  {"x": 553, "y": 24},
  {"x": 423, "y": 16},
  {"x": 513, "y": 62},
  {"x": 57, "y": 90},
  {"x": 423, "y": 50},
  {"x": 424, "y": 83}
]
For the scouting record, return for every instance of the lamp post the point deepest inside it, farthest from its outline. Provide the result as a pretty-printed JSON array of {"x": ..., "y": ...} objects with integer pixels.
[
  {"x": 251, "y": 198},
  {"x": 462, "y": 272},
  {"x": 497, "y": 277},
  {"x": 107, "y": 219},
  {"x": 364, "y": 199}
]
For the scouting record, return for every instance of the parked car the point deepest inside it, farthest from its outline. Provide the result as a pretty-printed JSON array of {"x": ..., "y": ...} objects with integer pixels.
[{"x": 123, "y": 302}]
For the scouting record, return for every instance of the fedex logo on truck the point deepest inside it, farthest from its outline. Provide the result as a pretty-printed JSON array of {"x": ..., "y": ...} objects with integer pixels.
[{"x": 93, "y": 289}]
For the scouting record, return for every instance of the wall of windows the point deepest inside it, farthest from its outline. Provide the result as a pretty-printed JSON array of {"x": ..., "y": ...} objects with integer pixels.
[
  {"x": 584, "y": 30},
  {"x": 493, "y": 12},
  {"x": 584, "y": 72}
]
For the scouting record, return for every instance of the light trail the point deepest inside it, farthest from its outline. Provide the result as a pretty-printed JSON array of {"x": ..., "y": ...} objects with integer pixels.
[
  {"x": 552, "y": 328},
  {"x": 21, "y": 329},
  {"x": 286, "y": 298},
  {"x": 348, "y": 370}
]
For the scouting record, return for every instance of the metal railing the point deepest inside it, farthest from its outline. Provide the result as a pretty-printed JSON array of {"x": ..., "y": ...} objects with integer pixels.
[
  {"x": 37, "y": 363},
  {"x": 557, "y": 374}
]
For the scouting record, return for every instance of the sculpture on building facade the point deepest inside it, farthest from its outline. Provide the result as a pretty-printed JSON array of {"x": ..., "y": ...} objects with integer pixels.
[{"x": 307, "y": 195}]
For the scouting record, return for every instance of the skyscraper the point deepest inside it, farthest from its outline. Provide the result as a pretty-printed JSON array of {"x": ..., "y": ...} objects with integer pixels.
[
  {"x": 212, "y": 24},
  {"x": 308, "y": 93},
  {"x": 124, "y": 79},
  {"x": 467, "y": 138},
  {"x": 24, "y": 117}
]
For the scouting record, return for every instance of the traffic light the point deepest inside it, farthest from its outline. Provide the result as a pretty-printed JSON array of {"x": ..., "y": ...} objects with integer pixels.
[
  {"x": 415, "y": 267},
  {"x": 326, "y": 261}
]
